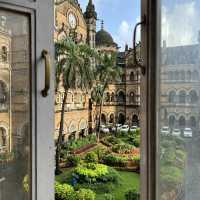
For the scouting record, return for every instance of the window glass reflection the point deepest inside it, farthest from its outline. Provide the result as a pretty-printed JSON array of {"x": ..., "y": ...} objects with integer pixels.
[
  {"x": 14, "y": 106},
  {"x": 179, "y": 105}
]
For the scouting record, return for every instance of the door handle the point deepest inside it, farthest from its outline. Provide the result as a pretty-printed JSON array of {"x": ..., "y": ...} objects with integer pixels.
[
  {"x": 47, "y": 60},
  {"x": 138, "y": 64}
]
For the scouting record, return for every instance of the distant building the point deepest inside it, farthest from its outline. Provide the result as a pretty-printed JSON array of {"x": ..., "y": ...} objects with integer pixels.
[
  {"x": 180, "y": 86},
  {"x": 122, "y": 103}
]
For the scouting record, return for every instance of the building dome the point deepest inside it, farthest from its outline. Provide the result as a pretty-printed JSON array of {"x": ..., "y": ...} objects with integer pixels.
[{"x": 103, "y": 38}]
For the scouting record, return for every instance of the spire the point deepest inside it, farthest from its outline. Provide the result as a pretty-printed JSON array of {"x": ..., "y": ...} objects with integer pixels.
[
  {"x": 90, "y": 11},
  {"x": 102, "y": 25}
]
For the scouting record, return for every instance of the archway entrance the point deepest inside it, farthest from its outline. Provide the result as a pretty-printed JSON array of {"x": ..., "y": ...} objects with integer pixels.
[
  {"x": 121, "y": 119},
  {"x": 103, "y": 119},
  {"x": 135, "y": 120}
]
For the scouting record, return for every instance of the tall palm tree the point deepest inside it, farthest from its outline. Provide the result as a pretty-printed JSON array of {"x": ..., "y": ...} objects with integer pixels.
[
  {"x": 75, "y": 70},
  {"x": 107, "y": 72}
]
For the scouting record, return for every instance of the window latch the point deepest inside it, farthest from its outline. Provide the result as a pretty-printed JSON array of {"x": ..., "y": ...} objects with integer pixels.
[{"x": 136, "y": 61}]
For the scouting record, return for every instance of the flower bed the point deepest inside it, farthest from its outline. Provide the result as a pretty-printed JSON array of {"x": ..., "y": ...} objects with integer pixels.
[{"x": 123, "y": 148}]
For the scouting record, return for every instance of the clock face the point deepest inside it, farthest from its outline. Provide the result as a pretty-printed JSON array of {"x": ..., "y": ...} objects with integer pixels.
[{"x": 72, "y": 20}]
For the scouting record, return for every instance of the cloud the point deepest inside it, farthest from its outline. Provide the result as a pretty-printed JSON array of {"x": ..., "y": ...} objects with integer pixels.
[
  {"x": 125, "y": 34},
  {"x": 180, "y": 24}
]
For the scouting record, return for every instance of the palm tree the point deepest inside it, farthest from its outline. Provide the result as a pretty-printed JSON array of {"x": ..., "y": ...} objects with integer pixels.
[
  {"x": 74, "y": 70},
  {"x": 107, "y": 72}
]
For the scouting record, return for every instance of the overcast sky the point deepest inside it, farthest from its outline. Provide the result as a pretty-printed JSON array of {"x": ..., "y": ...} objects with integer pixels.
[{"x": 119, "y": 18}]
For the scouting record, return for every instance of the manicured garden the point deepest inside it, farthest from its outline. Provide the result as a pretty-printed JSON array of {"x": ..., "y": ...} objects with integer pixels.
[
  {"x": 129, "y": 181},
  {"x": 109, "y": 170}
]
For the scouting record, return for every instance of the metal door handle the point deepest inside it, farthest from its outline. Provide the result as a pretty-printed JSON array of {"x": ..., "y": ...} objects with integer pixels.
[
  {"x": 138, "y": 64},
  {"x": 46, "y": 57}
]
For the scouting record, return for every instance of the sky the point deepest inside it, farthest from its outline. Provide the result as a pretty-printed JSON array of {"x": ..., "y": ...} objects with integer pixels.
[
  {"x": 119, "y": 18},
  {"x": 180, "y": 22}
]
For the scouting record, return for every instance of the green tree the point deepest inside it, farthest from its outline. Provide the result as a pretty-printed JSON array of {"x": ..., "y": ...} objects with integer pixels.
[
  {"x": 107, "y": 72},
  {"x": 74, "y": 69}
]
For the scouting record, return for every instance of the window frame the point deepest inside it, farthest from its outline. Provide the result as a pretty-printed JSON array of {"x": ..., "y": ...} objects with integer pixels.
[
  {"x": 149, "y": 49},
  {"x": 41, "y": 18}
]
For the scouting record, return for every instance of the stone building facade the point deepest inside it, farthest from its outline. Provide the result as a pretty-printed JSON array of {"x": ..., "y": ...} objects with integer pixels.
[
  {"x": 180, "y": 87},
  {"x": 122, "y": 105}
]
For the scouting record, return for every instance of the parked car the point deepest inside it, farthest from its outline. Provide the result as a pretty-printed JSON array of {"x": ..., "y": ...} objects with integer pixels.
[
  {"x": 124, "y": 129},
  {"x": 187, "y": 132},
  {"x": 117, "y": 126},
  {"x": 104, "y": 129},
  {"x": 165, "y": 130},
  {"x": 176, "y": 132},
  {"x": 133, "y": 128}
]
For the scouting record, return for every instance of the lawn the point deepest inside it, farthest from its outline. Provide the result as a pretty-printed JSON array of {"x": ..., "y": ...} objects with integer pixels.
[{"x": 129, "y": 180}]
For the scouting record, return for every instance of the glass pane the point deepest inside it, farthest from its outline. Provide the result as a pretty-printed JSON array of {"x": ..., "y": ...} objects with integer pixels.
[
  {"x": 97, "y": 127},
  {"x": 14, "y": 106},
  {"x": 179, "y": 101}
]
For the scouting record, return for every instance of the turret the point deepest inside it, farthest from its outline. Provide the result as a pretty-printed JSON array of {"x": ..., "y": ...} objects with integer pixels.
[{"x": 91, "y": 18}]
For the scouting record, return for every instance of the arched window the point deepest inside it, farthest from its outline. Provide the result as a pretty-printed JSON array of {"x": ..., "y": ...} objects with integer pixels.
[
  {"x": 172, "y": 121},
  {"x": 121, "y": 97},
  {"x": 4, "y": 54},
  {"x": 182, "y": 74},
  {"x": 193, "y": 122},
  {"x": 107, "y": 97},
  {"x": 123, "y": 77},
  {"x": 195, "y": 75},
  {"x": 189, "y": 75},
  {"x": 193, "y": 96},
  {"x": 182, "y": 97},
  {"x": 3, "y": 92},
  {"x": 113, "y": 97},
  {"x": 3, "y": 137},
  {"x": 132, "y": 76},
  {"x": 132, "y": 97},
  {"x": 176, "y": 76},
  {"x": 111, "y": 119},
  {"x": 172, "y": 97},
  {"x": 182, "y": 122},
  {"x": 170, "y": 75}
]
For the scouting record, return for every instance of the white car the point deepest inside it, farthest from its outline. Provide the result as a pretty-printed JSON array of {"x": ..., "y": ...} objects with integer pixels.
[
  {"x": 117, "y": 127},
  {"x": 124, "y": 129},
  {"x": 133, "y": 128},
  {"x": 165, "y": 130},
  {"x": 176, "y": 132},
  {"x": 104, "y": 129},
  {"x": 187, "y": 132}
]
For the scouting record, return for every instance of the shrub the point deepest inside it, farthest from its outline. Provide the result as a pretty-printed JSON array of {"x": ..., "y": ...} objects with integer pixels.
[
  {"x": 171, "y": 176},
  {"x": 136, "y": 141},
  {"x": 136, "y": 158},
  {"x": 101, "y": 152},
  {"x": 90, "y": 172},
  {"x": 112, "y": 176},
  {"x": 116, "y": 161},
  {"x": 64, "y": 192},
  {"x": 109, "y": 197},
  {"x": 122, "y": 148},
  {"x": 85, "y": 194},
  {"x": 91, "y": 157},
  {"x": 132, "y": 195},
  {"x": 73, "y": 160},
  {"x": 77, "y": 144}
]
